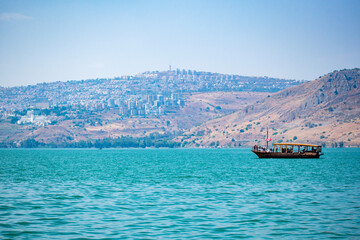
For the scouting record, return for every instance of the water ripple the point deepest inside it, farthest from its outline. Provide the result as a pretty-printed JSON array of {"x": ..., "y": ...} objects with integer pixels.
[{"x": 177, "y": 194}]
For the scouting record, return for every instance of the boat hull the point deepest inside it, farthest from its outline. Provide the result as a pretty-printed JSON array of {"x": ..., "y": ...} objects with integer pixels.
[{"x": 262, "y": 154}]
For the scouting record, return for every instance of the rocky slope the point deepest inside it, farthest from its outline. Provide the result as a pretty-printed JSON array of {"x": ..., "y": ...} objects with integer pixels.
[{"x": 325, "y": 111}]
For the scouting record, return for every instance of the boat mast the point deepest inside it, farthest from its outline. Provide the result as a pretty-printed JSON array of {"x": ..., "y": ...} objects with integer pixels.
[{"x": 267, "y": 137}]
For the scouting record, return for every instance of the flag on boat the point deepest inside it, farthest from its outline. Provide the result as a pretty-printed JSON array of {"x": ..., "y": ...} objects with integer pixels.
[{"x": 268, "y": 139}]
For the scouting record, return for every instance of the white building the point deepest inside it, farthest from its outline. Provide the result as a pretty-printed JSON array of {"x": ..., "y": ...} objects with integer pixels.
[{"x": 34, "y": 119}]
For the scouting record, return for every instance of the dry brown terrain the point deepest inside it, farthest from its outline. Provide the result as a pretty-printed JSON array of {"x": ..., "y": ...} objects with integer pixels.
[
  {"x": 199, "y": 108},
  {"x": 325, "y": 111}
]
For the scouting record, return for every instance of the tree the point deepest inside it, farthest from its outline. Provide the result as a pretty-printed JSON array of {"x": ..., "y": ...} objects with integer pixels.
[
  {"x": 29, "y": 143},
  {"x": 14, "y": 120}
]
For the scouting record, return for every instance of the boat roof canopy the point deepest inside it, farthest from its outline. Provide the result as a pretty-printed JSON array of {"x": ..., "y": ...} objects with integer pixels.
[{"x": 296, "y": 144}]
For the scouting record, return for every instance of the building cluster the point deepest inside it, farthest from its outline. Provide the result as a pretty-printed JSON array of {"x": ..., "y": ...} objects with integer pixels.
[
  {"x": 152, "y": 105},
  {"x": 33, "y": 117},
  {"x": 149, "y": 93},
  {"x": 137, "y": 105}
]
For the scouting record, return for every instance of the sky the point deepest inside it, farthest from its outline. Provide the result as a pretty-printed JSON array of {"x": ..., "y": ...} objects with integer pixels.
[{"x": 47, "y": 41}]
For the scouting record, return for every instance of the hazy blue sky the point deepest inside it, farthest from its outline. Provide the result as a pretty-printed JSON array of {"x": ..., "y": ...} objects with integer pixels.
[{"x": 44, "y": 41}]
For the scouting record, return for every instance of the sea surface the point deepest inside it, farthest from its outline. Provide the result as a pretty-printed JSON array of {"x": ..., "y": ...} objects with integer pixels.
[{"x": 177, "y": 194}]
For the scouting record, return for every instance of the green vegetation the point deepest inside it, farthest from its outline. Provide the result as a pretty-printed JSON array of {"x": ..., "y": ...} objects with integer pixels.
[
  {"x": 249, "y": 126},
  {"x": 200, "y": 133},
  {"x": 154, "y": 140},
  {"x": 30, "y": 143},
  {"x": 13, "y": 120},
  {"x": 310, "y": 125},
  {"x": 214, "y": 144}
]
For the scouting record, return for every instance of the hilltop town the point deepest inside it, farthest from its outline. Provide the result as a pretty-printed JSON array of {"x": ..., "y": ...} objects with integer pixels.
[
  {"x": 148, "y": 94},
  {"x": 181, "y": 108}
]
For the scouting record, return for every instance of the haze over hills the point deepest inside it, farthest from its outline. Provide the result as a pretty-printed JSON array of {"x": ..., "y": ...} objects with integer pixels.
[
  {"x": 167, "y": 102},
  {"x": 97, "y": 94},
  {"x": 194, "y": 109},
  {"x": 325, "y": 111}
]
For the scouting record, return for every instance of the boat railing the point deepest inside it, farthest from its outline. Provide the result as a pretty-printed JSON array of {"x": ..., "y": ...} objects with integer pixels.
[
  {"x": 262, "y": 149},
  {"x": 289, "y": 148}
]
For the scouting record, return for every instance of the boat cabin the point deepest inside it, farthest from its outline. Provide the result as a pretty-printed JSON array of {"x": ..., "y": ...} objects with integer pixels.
[{"x": 295, "y": 148}]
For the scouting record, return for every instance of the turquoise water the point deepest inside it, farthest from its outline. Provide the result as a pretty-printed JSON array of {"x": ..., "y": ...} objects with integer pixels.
[{"x": 177, "y": 194}]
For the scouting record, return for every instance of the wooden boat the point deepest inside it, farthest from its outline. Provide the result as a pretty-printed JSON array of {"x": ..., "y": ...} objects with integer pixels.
[{"x": 289, "y": 150}]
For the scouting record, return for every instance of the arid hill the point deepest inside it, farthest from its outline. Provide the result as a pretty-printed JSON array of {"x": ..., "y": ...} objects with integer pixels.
[
  {"x": 200, "y": 108},
  {"x": 325, "y": 111}
]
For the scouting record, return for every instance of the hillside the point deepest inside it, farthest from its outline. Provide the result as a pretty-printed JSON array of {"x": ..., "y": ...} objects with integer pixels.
[
  {"x": 324, "y": 111},
  {"x": 158, "y": 102},
  {"x": 199, "y": 108},
  {"x": 94, "y": 93}
]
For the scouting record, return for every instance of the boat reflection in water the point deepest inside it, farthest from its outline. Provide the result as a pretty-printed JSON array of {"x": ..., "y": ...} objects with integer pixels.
[{"x": 288, "y": 150}]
